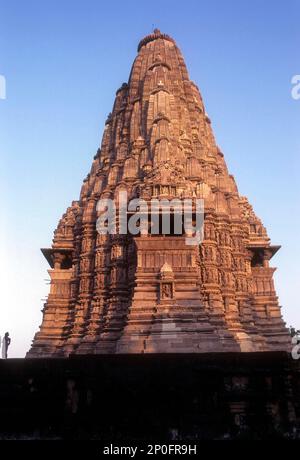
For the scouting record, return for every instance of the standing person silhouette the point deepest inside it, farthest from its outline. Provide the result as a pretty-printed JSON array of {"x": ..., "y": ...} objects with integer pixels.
[{"x": 5, "y": 344}]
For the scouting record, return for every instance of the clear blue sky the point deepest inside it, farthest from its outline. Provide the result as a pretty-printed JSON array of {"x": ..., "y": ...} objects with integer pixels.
[{"x": 64, "y": 60}]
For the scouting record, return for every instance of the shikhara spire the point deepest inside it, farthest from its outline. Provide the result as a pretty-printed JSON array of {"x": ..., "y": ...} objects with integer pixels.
[{"x": 147, "y": 294}]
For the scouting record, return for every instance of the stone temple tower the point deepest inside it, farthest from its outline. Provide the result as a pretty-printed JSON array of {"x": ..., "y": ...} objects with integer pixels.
[{"x": 154, "y": 293}]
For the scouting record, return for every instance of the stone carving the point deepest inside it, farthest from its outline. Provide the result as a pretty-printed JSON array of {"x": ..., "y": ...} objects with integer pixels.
[
  {"x": 166, "y": 291},
  {"x": 156, "y": 293}
]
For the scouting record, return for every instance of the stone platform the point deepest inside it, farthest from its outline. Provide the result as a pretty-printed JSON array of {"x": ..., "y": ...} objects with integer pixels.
[{"x": 151, "y": 397}]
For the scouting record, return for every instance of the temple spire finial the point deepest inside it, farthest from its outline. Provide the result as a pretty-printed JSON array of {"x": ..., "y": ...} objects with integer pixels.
[{"x": 155, "y": 35}]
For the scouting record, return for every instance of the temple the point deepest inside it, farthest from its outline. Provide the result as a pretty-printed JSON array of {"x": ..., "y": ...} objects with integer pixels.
[{"x": 154, "y": 293}]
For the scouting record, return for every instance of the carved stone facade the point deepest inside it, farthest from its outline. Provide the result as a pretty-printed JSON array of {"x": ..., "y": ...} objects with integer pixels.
[{"x": 146, "y": 294}]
